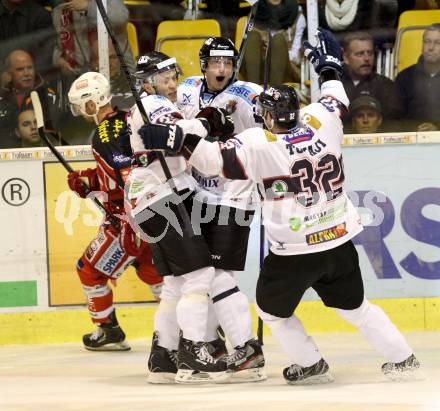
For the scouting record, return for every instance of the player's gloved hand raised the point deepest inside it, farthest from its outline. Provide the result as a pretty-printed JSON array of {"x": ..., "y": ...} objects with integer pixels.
[
  {"x": 167, "y": 137},
  {"x": 220, "y": 122},
  {"x": 83, "y": 182},
  {"x": 326, "y": 54}
]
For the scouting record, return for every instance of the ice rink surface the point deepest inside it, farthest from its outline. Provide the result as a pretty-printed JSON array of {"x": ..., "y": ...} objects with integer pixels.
[{"x": 66, "y": 377}]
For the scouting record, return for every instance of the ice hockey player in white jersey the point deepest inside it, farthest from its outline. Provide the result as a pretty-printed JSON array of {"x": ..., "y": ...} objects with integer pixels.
[
  {"x": 308, "y": 217},
  {"x": 180, "y": 255},
  {"x": 227, "y": 240}
]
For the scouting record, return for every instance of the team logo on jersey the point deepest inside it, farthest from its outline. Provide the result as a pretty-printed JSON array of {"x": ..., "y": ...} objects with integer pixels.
[
  {"x": 279, "y": 189},
  {"x": 186, "y": 98},
  {"x": 298, "y": 136},
  {"x": 326, "y": 235},
  {"x": 311, "y": 121},
  {"x": 231, "y": 106},
  {"x": 295, "y": 223}
]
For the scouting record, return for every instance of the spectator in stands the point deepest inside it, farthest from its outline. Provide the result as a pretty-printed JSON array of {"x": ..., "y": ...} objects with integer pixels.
[
  {"x": 27, "y": 26},
  {"x": 75, "y": 25},
  {"x": 26, "y": 130},
  {"x": 346, "y": 16},
  {"x": 366, "y": 115},
  {"x": 19, "y": 80},
  {"x": 274, "y": 16},
  {"x": 360, "y": 79},
  {"x": 419, "y": 85},
  {"x": 122, "y": 95}
]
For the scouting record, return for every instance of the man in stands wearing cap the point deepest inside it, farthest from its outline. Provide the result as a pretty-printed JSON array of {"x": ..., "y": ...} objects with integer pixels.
[{"x": 366, "y": 115}]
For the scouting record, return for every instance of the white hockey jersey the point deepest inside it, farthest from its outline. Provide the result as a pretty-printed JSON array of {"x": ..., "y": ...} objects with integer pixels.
[
  {"x": 300, "y": 174},
  {"x": 238, "y": 99},
  {"x": 146, "y": 183}
]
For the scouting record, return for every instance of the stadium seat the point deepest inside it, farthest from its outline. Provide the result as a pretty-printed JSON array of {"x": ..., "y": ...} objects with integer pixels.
[
  {"x": 133, "y": 39},
  {"x": 137, "y": 2},
  {"x": 241, "y": 24},
  {"x": 182, "y": 39},
  {"x": 408, "y": 47}
]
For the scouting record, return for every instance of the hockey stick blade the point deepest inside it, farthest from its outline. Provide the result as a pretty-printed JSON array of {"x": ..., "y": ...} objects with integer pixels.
[
  {"x": 38, "y": 110},
  {"x": 186, "y": 222}
]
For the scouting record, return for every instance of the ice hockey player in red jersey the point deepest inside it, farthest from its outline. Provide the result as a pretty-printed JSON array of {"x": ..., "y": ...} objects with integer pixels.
[{"x": 115, "y": 247}]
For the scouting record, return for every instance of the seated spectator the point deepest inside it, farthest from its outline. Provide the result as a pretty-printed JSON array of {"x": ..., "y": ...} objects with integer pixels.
[
  {"x": 26, "y": 130},
  {"x": 18, "y": 81},
  {"x": 419, "y": 85},
  {"x": 27, "y": 26},
  {"x": 122, "y": 95},
  {"x": 366, "y": 115},
  {"x": 275, "y": 16},
  {"x": 359, "y": 78}
]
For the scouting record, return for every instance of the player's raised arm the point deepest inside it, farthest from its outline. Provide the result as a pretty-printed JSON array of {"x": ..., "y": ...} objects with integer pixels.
[{"x": 325, "y": 58}]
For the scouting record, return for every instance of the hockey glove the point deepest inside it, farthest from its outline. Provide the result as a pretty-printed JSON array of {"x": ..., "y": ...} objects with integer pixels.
[
  {"x": 220, "y": 122},
  {"x": 168, "y": 138},
  {"x": 326, "y": 54},
  {"x": 131, "y": 244},
  {"x": 83, "y": 182}
]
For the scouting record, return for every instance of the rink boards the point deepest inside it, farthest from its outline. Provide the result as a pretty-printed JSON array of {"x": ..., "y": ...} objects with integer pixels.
[{"x": 393, "y": 179}]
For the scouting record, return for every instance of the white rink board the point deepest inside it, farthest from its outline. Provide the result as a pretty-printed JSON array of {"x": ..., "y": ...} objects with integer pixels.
[{"x": 23, "y": 242}]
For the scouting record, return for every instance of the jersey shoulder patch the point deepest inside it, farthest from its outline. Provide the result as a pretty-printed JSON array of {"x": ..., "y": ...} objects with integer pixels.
[{"x": 309, "y": 119}]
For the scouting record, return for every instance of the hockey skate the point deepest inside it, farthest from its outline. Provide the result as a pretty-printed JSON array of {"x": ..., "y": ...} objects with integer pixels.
[
  {"x": 196, "y": 364},
  {"x": 402, "y": 371},
  {"x": 217, "y": 348},
  {"x": 162, "y": 364},
  {"x": 107, "y": 337},
  {"x": 317, "y": 373},
  {"x": 246, "y": 363}
]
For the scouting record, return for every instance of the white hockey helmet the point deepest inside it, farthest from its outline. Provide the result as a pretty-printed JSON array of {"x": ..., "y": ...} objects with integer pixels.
[{"x": 90, "y": 86}]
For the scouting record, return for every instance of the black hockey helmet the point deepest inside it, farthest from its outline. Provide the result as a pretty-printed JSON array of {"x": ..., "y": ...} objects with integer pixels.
[
  {"x": 152, "y": 63},
  {"x": 283, "y": 104},
  {"x": 217, "y": 47}
]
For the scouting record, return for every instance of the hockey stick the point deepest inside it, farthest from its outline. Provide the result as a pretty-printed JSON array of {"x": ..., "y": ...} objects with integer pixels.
[
  {"x": 38, "y": 110},
  {"x": 262, "y": 237},
  {"x": 187, "y": 227},
  {"x": 249, "y": 27}
]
